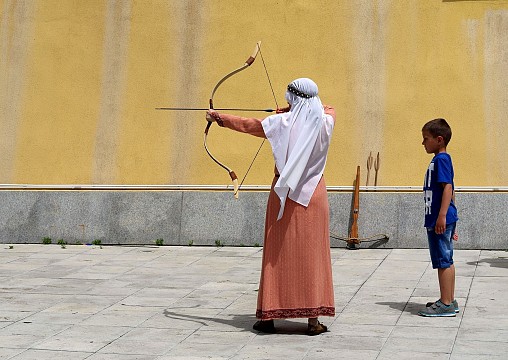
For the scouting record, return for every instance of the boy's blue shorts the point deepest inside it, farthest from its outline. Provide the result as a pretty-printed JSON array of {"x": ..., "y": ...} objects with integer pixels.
[{"x": 441, "y": 247}]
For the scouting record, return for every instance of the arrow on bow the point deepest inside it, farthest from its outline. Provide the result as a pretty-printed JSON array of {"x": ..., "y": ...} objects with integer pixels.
[
  {"x": 247, "y": 63},
  {"x": 222, "y": 109}
]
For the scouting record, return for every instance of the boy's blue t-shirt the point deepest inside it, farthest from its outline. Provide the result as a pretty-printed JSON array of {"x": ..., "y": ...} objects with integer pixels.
[{"x": 440, "y": 171}]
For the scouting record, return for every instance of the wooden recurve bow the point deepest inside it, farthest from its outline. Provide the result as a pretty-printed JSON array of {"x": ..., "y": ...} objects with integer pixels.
[{"x": 247, "y": 63}]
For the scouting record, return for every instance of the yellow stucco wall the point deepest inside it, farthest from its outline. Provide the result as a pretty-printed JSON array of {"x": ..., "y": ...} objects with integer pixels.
[{"x": 80, "y": 81}]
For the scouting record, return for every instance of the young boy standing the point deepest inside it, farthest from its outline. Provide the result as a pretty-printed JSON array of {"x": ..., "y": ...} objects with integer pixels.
[{"x": 440, "y": 215}]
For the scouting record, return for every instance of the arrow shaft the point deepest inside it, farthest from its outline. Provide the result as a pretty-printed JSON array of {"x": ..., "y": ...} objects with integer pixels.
[{"x": 204, "y": 109}]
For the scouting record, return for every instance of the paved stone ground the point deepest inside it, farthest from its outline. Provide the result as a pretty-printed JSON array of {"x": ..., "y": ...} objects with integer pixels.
[{"x": 127, "y": 302}]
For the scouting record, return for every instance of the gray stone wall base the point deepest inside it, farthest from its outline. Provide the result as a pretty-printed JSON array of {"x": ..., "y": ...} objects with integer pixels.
[{"x": 211, "y": 218}]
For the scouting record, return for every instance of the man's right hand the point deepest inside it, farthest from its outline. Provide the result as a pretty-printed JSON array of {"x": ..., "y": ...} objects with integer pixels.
[{"x": 283, "y": 110}]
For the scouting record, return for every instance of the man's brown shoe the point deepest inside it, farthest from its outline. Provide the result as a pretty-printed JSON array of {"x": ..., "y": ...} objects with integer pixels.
[
  {"x": 265, "y": 326},
  {"x": 317, "y": 329}
]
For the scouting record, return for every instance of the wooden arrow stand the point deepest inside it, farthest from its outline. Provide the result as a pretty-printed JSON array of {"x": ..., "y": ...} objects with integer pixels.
[{"x": 352, "y": 240}]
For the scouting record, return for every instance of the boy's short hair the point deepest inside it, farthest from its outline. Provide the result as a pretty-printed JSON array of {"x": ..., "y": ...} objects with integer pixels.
[{"x": 439, "y": 127}]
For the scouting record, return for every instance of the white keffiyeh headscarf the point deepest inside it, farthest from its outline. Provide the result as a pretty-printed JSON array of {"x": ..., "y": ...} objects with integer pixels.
[{"x": 300, "y": 140}]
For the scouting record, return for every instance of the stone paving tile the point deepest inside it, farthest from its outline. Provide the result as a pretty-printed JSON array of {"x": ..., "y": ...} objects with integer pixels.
[
  {"x": 492, "y": 268},
  {"x": 327, "y": 354},
  {"x": 51, "y": 355},
  {"x": 417, "y": 345},
  {"x": 353, "y": 330},
  {"x": 120, "y": 315},
  {"x": 245, "y": 302},
  {"x": 5, "y": 323},
  {"x": 12, "y": 268},
  {"x": 192, "y": 321},
  {"x": 176, "y": 280},
  {"x": 340, "y": 343},
  {"x": 84, "y": 338},
  {"x": 146, "y": 341},
  {"x": 59, "y": 285},
  {"x": 156, "y": 297},
  {"x": 189, "y": 357},
  {"x": 225, "y": 322},
  {"x": 27, "y": 302},
  {"x": 83, "y": 304},
  {"x": 353, "y": 271},
  {"x": 344, "y": 293},
  {"x": 20, "y": 341},
  {"x": 45, "y": 330},
  {"x": 114, "y": 287},
  {"x": 261, "y": 350},
  {"x": 56, "y": 318},
  {"x": 430, "y": 288},
  {"x": 98, "y": 356},
  {"x": 22, "y": 283},
  {"x": 366, "y": 295},
  {"x": 212, "y": 343},
  {"x": 478, "y": 333},
  {"x": 417, "y": 332},
  {"x": 8, "y": 353},
  {"x": 387, "y": 282},
  {"x": 149, "y": 302},
  {"x": 413, "y": 355},
  {"x": 378, "y": 254},
  {"x": 480, "y": 317},
  {"x": 399, "y": 271},
  {"x": 457, "y": 356},
  {"x": 476, "y": 347},
  {"x": 12, "y": 316}
]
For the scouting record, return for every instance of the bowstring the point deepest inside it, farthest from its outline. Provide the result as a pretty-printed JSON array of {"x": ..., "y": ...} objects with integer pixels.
[
  {"x": 268, "y": 77},
  {"x": 276, "y": 103}
]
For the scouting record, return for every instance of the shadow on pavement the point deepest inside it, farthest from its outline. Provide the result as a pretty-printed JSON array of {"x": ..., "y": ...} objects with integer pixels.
[
  {"x": 499, "y": 262},
  {"x": 240, "y": 321},
  {"x": 243, "y": 322},
  {"x": 409, "y": 307}
]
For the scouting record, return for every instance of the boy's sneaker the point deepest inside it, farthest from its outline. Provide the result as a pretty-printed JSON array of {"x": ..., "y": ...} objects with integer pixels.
[
  {"x": 438, "y": 309},
  {"x": 454, "y": 303}
]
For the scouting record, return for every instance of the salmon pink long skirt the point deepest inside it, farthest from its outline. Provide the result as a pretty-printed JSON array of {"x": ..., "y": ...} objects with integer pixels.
[{"x": 296, "y": 275}]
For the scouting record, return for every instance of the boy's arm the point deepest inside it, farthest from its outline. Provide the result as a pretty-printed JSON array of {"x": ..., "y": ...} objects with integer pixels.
[
  {"x": 445, "y": 203},
  {"x": 455, "y": 236}
]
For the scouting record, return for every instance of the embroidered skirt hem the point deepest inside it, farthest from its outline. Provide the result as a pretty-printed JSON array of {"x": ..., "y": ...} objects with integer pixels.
[{"x": 295, "y": 313}]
